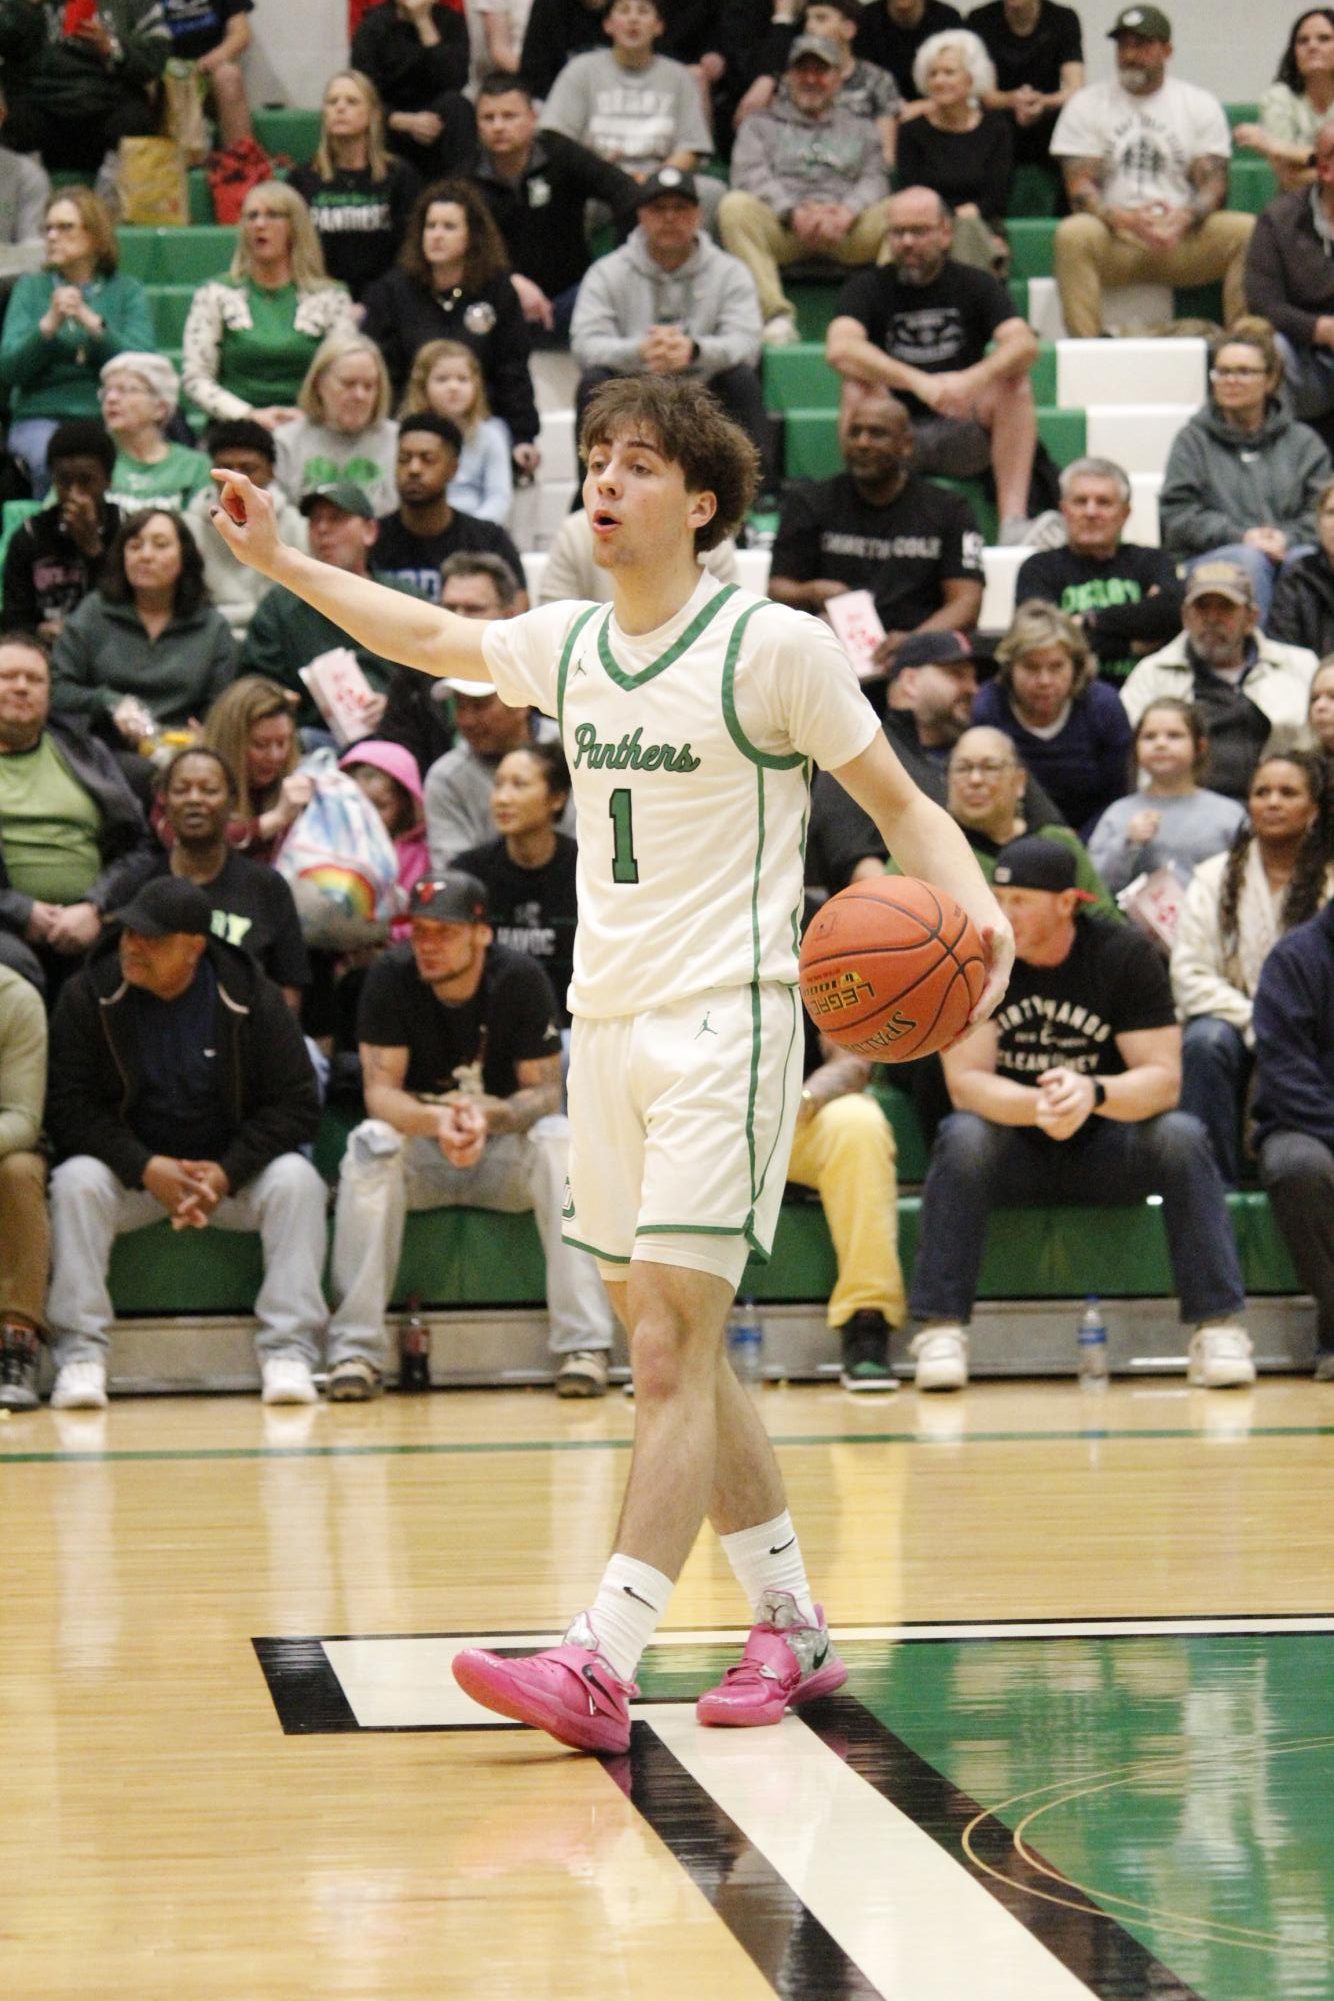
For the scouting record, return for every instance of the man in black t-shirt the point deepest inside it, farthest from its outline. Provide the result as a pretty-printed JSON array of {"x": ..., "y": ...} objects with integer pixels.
[
  {"x": 878, "y": 527},
  {"x": 414, "y": 542},
  {"x": 461, "y": 1057},
  {"x": 1127, "y": 598},
  {"x": 921, "y": 327},
  {"x": 1066, "y": 1096},
  {"x": 214, "y": 35},
  {"x": 1038, "y": 51}
]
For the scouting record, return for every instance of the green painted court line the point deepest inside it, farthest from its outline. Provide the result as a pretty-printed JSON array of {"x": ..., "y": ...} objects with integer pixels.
[{"x": 624, "y": 1444}]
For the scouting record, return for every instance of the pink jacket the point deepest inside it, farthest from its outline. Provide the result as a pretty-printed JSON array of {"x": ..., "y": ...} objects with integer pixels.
[{"x": 414, "y": 856}]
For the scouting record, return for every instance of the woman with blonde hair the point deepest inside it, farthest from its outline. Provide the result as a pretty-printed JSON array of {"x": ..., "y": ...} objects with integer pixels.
[
  {"x": 1069, "y": 729},
  {"x": 447, "y": 379},
  {"x": 957, "y": 148},
  {"x": 343, "y": 429},
  {"x": 251, "y": 336},
  {"x": 359, "y": 195},
  {"x": 252, "y": 725}
]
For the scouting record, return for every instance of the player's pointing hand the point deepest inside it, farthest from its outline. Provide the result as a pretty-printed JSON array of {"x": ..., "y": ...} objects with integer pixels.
[{"x": 245, "y": 518}]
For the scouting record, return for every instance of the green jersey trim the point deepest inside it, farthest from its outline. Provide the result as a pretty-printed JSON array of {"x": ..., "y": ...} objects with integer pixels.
[
  {"x": 692, "y": 1230},
  {"x": 562, "y": 672},
  {"x": 687, "y": 639},
  {"x": 606, "y": 1257},
  {"x": 769, "y": 761},
  {"x": 782, "y": 1103}
]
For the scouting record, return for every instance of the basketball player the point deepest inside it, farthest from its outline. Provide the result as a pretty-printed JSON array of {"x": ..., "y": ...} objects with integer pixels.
[{"x": 690, "y": 714}]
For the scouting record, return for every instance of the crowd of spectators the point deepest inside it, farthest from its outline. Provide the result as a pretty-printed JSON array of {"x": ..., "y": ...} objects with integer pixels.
[{"x": 631, "y": 182}]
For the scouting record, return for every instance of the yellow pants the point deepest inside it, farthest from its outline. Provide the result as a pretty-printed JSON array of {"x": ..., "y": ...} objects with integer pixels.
[
  {"x": 846, "y": 1153},
  {"x": 753, "y": 233},
  {"x": 1087, "y": 256}
]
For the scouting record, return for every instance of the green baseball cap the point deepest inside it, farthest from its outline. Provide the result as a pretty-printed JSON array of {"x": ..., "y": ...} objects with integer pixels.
[
  {"x": 1149, "y": 23},
  {"x": 344, "y": 493}
]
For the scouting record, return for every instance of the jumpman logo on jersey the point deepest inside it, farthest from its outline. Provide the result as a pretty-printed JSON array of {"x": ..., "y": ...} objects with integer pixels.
[
  {"x": 704, "y": 1028},
  {"x": 579, "y": 668}
]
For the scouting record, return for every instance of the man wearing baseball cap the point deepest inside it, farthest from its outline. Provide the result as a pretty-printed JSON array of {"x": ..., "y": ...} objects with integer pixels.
[
  {"x": 461, "y": 1065},
  {"x": 1145, "y": 160},
  {"x": 1068, "y": 1096}
]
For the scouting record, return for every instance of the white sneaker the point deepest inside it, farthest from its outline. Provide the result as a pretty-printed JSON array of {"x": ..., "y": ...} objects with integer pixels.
[
  {"x": 780, "y": 331},
  {"x": 942, "y": 1357},
  {"x": 287, "y": 1379},
  {"x": 80, "y": 1386},
  {"x": 1220, "y": 1357}
]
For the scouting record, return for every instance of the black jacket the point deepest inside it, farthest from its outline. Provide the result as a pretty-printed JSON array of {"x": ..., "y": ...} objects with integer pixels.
[
  {"x": 128, "y": 850},
  {"x": 1302, "y": 613},
  {"x": 541, "y": 215},
  {"x": 95, "y": 1075},
  {"x": 402, "y": 315},
  {"x": 408, "y": 76},
  {"x": 46, "y": 573}
]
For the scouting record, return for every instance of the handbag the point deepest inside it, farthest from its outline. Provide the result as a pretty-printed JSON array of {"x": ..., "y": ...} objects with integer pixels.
[
  {"x": 232, "y": 172},
  {"x": 340, "y": 863},
  {"x": 150, "y": 183}
]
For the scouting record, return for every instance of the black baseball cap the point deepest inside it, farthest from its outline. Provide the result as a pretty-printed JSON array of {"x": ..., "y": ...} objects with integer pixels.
[
  {"x": 673, "y": 181},
  {"x": 940, "y": 649},
  {"x": 454, "y": 897},
  {"x": 1033, "y": 862},
  {"x": 166, "y": 906}
]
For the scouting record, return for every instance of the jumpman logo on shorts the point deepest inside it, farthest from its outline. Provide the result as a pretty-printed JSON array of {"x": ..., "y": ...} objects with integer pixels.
[{"x": 704, "y": 1028}]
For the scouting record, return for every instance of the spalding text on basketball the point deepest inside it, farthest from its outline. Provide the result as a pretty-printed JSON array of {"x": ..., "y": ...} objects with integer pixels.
[{"x": 888, "y": 1033}]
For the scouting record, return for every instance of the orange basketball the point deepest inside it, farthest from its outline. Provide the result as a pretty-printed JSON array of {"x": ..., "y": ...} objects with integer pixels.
[{"x": 891, "y": 968}]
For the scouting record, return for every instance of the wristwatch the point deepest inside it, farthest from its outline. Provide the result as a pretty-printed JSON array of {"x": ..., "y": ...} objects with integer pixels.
[{"x": 1099, "y": 1094}]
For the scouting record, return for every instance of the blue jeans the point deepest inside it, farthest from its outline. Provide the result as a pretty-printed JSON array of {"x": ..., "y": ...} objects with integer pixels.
[
  {"x": 977, "y": 1166},
  {"x": 1216, "y": 1067}
]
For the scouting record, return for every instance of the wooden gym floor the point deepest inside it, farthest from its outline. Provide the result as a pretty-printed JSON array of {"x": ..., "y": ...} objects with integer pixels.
[{"x": 1086, "y": 1745}]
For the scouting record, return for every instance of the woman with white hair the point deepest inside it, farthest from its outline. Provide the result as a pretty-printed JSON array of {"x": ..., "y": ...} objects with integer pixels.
[
  {"x": 343, "y": 429},
  {"x": 251, "y": 336},
  {"x": 962, "y": 152},
  {"x": 139, "y": 394}
]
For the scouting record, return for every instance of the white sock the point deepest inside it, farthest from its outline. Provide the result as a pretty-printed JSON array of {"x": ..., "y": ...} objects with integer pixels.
[
  {"x": 631, "y": 1599},
  {"x": 769, "y": 1558}
]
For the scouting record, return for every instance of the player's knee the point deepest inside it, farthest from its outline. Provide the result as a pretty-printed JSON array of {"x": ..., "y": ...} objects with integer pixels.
[{"x": 665, "y": 1353}]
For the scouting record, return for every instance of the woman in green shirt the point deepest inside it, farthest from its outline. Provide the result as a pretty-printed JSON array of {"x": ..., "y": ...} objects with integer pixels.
[
  {"x": 250, "y": 337},
  {"x": 63, "y": 323},
  {"x": 139, "y": 397}
]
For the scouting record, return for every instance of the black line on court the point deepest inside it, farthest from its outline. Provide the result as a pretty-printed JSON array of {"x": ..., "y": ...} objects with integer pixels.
[
  {"x": 307, "y": 1694},
  {"x": 1088, "y": 1942}
]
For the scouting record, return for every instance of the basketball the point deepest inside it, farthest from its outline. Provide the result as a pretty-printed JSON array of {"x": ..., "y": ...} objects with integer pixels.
[{"x": 891, "y": 968}]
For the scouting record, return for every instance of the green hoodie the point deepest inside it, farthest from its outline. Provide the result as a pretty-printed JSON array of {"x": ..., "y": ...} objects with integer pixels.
[
  {"x": 68, "y": 77},
  {"x": 104, "y": 652},
  {"x": 59, "y": 377}
]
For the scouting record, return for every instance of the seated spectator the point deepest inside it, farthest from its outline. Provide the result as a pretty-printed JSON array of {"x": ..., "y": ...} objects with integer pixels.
[
  {"x": 387, "y": 773},
  {"x": 1290, "y": 280},
  {"x": 25, "y": 191},
  {"x": 640, "y": 110},
  {"x": 180, "y": 1086},
  {"x": 1068, "y": 1095},
  {"x": 557, "y": 30},
  {"x": 416, "y": 55},
  {"x": 251, "y": 904},
  {"x": 892, "y": 31},
  {"x": 1145, "y": 160},
  {"x": 670, "y": 302},
  {"x": 461, "y": 1056},
  {"x": 286, "y": 634},
  {"x": 140, "y": 394},
  {"x": 420, "y": 709},
  {"x": 538, "y": 186},
  {"x": 570, "y": 571},
  {"x": 25, "y": 1231},
  {"x": 241, "y": 445},
  {"x": 963, "y": 153},
  {"x": 213, "y": 37},
  {"x": 415, "y": 540},
  {"x": 1172, "y": 821},
  {"x": 55, "y": 557},
  {"x": 76, "y": 91},
  {"x": 460, "y": 784},
  {"x": 1037, "y": 49},
  {"x": 1277, "y": 873},
  {"x": 808, "y": 180},
  {"x": 359, "y": 195},
  {"x": 251, "y": 336},
  {"x": 987, "y": 785},
  {"x": 146, "y": 650},
  {"x": 1251, "y": 690},
  {"x": 1321, "y": 712},
  {"x": 1302, "y": 610},
  {"x": 865, "y": 89},
  {"x": 948, "y": 342},
  {"x": 447, "y": 380},
  {"x": 75, "y": 843},
  {"x": 252, "y": 729},
  {"x": 495, "y": 38},
  {"x": 62, "y": 323},
  {"x": 452, "y": 282},
  {"x": 1297, "y": 103},
  {"x": 1243, "y": 476},
  {"x": 1293, "y": 1110},
  {"x": 1126, "y": 598},
  {"x": 1069, "y": 728},
  {"x": 528, "y": 872},
  {"x": 878, "y": 527},
  {"x": 344, "y": 430}
]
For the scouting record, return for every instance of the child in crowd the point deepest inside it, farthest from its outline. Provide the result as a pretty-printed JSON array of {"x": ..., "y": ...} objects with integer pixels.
[
  {"x": 388, "y": 775},
  {"x": 1173, "y": 820},
  {"x": 447, "y": 379}
]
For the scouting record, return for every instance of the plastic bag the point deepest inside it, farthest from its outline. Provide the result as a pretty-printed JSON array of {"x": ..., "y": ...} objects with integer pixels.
[
  {"x": 340, "y": 863},
  {"x": 150, "y": 183},
  {"x": 183, "y": 110}
]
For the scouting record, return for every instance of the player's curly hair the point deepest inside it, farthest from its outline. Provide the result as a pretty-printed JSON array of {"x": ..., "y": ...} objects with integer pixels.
[
  {"x": 1305, "y": 893},
  {"x": 692, "y": 430}
]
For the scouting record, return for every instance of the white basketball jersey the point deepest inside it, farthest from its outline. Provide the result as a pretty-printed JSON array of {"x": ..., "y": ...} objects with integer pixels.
[{"x": 691, "y": 832}]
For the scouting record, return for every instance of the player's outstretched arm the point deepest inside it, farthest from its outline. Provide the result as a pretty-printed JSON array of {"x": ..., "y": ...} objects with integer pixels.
[
  {"x": 391, "y": 623},
  {"x": 925, "y": 842}
]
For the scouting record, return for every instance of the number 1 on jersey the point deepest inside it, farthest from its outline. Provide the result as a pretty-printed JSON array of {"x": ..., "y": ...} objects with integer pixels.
[{"x": 624, "y": 867}]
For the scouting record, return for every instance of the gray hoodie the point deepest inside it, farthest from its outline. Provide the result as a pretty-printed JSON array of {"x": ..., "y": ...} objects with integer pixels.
[
  {"x": 24, "y": 193},
  {"x": 1220, "y": 481},
  {"x": 782, "y": 157},
  {"x": 712, "y": 296}
]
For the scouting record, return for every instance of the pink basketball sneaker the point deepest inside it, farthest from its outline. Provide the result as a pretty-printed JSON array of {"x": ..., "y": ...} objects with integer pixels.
[
  {"x": 569, "y": 1691},
  {"x": 786, "y": 1662}
]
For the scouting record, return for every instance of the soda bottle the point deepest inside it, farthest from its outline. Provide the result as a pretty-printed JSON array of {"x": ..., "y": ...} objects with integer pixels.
[
  {"x": 745, "y": 1342},
  {"x": 1092, "y": 1345},
  {"x": 414, "y": 1353}
]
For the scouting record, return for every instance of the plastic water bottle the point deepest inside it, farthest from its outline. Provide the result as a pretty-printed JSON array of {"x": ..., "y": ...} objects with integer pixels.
[
  {"x": 414, "y": 1354},
  {"x": 1092, "y": 1345},
  {"x": 745, "y": 1342}
]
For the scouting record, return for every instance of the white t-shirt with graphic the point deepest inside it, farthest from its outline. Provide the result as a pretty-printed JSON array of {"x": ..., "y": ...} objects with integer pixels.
[
  {"x": 635, "y": 118},
  {"x": 1146, "y": 144}
]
